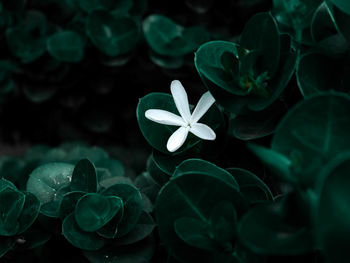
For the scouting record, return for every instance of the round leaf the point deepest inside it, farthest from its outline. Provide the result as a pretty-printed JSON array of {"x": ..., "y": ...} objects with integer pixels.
[
  {"x": 66, "y": 46},
  {"x": 79, "y": 238},
  {"x": 132, "y": 201},
  {"x": 93, "y": 211},
  {"x": 84, "y": 177},
  {"x": 112, "y": 35},
  {"x": 251, "y": 186},
  {"x": 29, "y": 213},
  {"x": 318, "y": 73},
  {"x": 261, "y": 34},
  {"x": 199, "y": 166},
  {"x": 194, "y": 196},
  {"x": 47, "y": 179},
  {"x": 312, "y": 133},
  {"x": 68, "y": 203},
  {"x": 170, "y": 39},
  {"x": 11, "y": 206},
  {"x": 265, "y": 229}
]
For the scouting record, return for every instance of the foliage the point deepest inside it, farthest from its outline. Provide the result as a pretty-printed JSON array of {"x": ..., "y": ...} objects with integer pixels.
[{"x": 272, "y": 186}]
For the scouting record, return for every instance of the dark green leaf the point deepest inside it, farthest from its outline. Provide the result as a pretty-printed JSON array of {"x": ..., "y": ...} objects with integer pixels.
[
  {"x": 45, "y": 180},
  {"x": 296, "y": 14},
  {"x": 194, "y": 196},
  {"x": 68, "y": 203},
  {"x": 223, "y": 220},
  {"x": 199, "y": 166},
  {"x": 29, "y": 213},
  {"x": 79, "y": 238},
  {"x": 251, "y": 186},
  {"x": 112, "y": 35},
  {"x": 280, "y": 164},
  {"x": 312, "y": 133},
  {"x": 27, "y": 41},
  {"x": 318, "y": 73},
  {"x": 274, "y": 229},
  {"x": 91, "y": 5},
  {"x": 132, "y": 201},
  {"x": 261, "y": 34},
  {"x": 342, "y": 5},
  {"x": 93, "y": 211},
  {"x": 170, "y": 39},
  {"x": 66, "y": 46},
  {"x": 144, "y": 228},
  {"x": 194, "y": 232},
  {"x": 84, "y": 177},
  {"x": 11, "y": 206},
  {"x": 49, "y": 182}
]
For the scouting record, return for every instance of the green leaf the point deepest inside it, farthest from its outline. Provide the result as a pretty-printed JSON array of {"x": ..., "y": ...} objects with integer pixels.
[
  {"x": 93, "y": 211},
  {"x": 79, "y": 238},
  {"x": 256, "y": 125},
  {"x": 91, "y": 5},
  {"x": 227, "y": 91},
  {"x": 144, "y": 228},
  {"x": 167, "y": 38},
  {"x": 251, "y": 186},
  {"x": 154, "y": 170},
  {"x": 29, "y": 213},
  {"x": 27, "y": 40},
  {"x": 68, "y": 203},
  {"x": 192, "y": 195},
  {"x": 333, "y": 217},
  {"x": 261, "y": 34},
  {"x": 157, "y": 134},
  {"x": 280, "y": 164},
  {"x": 67, "y": 46},
  {"x": 132, "y": 201},
  {"x": 312, "y": 133},
  {"x": 198, "y": 166},
  {"x": 342, "y": 20},
  {"x": 223, "y": 220},
  {"x": 46, "y": 179},
  {"x": 208, "y": 61},
  {"x": 49, "y": 182},
  {"x": 342, "y": 5},
  {"x": 275, "y": 229},
  {"x": 295, "y": 13},
  {"x": 11, "y": 206},
  {"x": 318, "y": 73},
  {"x": 195, "y": 233},
  {"x": 112, "y": 35},
  {"x": 84, "y": 177},
  {"x": 110, "y": 230},
  {"x": 6, "y": 184},
  {"x": 323, "y": 23}
]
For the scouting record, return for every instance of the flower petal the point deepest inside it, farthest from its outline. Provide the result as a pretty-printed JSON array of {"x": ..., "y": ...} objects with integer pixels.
[
  {"x": 177, "y": 139},
  {"x": 202, "y": 107},
  {"x": 164, "y": 117},
  {"x": 203, "y": 131},
  {"x": 181, "y": 100}
]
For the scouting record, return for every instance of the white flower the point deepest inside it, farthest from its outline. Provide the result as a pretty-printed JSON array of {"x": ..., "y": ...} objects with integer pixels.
[{"x": 187, "y": 122}]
